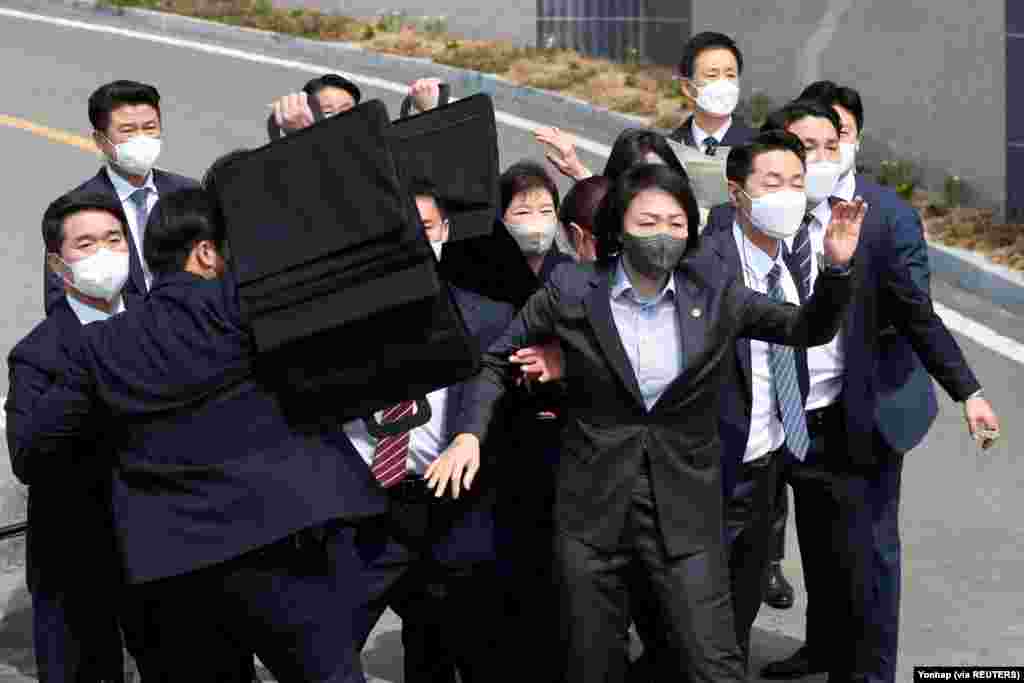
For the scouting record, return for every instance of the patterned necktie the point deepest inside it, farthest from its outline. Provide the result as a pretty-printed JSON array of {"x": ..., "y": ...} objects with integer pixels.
[
  {"x": 784, "y": 380},
  {"x": 389, "y": 466},
  {"x": 710, "y": 145},
  {"x": 802, "y": 255},
  {"x": 140, "y": 201}
]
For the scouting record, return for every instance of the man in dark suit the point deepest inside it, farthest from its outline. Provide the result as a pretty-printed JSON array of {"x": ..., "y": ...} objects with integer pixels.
[
  {"x": 74, "y": 604},
  {"x": 126, "y": 122},
  {"x": 639, "y": 494},
  {"x": 892, "y": 341},
  {"x": 432, "y": 560},
  {"x": 710, "y": 72},
  {"x": 230, "y": 501}
]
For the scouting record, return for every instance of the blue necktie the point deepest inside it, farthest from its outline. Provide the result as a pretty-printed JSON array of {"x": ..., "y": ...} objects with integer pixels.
[
  {"x": 710, "y": 146},
  {"x": 139, "y": 200},
  {"x": 784, "y": 380},
  {"x": 802, "y": 256}
]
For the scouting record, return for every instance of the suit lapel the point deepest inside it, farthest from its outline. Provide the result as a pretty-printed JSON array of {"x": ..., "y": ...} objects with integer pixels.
[
  {"x": 731, "y": 255},
  {"x": 599, "y": 313},
  {"x": 474, "y": 325},
  {"x": 692, "y": 315},
  {"x": 688, "y": 133},
  {"x": 137, "y": 275}
]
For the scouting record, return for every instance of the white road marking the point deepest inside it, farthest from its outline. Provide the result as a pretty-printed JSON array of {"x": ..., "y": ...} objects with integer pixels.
[{"x": 971, "y": 329}]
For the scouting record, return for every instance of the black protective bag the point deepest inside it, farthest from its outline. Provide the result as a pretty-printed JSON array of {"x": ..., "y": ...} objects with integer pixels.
[{"x": 334, "y": 271}]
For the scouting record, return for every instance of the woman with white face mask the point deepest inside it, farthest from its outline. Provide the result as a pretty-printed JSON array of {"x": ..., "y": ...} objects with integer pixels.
[
  {"x": 710, "y": 75},
  {"x": 529, "y": 212}
]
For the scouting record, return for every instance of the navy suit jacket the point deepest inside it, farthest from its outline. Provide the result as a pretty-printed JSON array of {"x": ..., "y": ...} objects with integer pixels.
[
  {"x": 718, "y": 243},
  {"x": 209, "y": 463},
  {"x": 892, "y": 337},
  {"x": 470, "y": 532},
  {"x": 166, "y": 183},
  {"x": 738, "y": 134},
  {"x": 69, "y": 512}
]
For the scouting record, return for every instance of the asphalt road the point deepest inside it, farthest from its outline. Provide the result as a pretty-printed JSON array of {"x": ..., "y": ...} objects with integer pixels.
[{"x": 962, "y": 519}]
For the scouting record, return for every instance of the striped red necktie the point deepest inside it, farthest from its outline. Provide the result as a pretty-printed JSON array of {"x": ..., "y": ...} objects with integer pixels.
[{"x": 391, "y": 453}]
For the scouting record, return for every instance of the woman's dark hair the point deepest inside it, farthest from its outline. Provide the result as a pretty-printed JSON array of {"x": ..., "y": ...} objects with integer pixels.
[
  {"x": 581, "y": 204},
  {"x": 523, "y": 177},
  {"x": 612, "y": 212},
  {"x": 185, "y": 218},
  {"x": 831, "y": 94},
  {"x": 631, "y": 149},
  {"x": 332, "y": 81},
  {"x": 72, "y": 203},
  {"x": 109, "y": 97}
]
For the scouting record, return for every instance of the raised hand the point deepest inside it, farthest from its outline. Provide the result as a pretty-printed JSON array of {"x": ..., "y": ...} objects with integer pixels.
[
  {"x": 843, "y": 231},
  {"x": 425, "y": 93},
  {"x": 292, "y": 112},
  {"x": 561, "y": 152}
]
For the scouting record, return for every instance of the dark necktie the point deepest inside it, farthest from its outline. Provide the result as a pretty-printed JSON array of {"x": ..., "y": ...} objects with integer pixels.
[
  {"x": 389, "y": 466},
  {"x": 786, "y": 387},
  {"x": 710, "y": 145},
  {"x": 801, "y": 257}
]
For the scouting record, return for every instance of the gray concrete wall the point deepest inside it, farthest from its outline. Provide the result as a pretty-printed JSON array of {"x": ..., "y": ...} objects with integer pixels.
[
  {"x": 932, "y": 74},
  {"x": 514, "y": 20}
]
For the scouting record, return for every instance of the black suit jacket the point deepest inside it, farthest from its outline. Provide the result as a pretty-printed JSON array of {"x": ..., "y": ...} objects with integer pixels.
[
  {"x": 166, "y": 183},
  {"x": 738, "y": 134},
  {"x": 469, "y": 534},
  {"x": 892, "y": 337},
  {"x": 69, "y": 499},
  {"x": 209, "y": 463},
  {"x": 737, "y": 392},
  {"x": 609, "y": 429}
]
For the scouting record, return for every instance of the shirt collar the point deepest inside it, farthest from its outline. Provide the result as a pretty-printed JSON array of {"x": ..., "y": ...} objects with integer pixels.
[
  {"x": 756, "y": 263},
  {"x": 823, "y": 213},
  {"x": 700, "y": 135},
  {"x": 123, "y": 188},
  {"x": 87, "y": 314},
  {"x": 847, "y": 186},
  {"x": 621, "y": 285}
]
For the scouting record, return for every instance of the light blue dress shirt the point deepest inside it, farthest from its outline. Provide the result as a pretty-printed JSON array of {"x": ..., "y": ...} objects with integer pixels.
[{"x": 650, "y": 334}]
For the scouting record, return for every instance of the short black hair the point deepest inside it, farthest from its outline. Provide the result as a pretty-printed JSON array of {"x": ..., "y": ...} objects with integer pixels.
[
  {"x": 797, "y": 110},
  {"x": 831, "y": 94},
  {"x": 185, "y": 218},
  {"x": 109, "y": 97},
  {"x": 612, "y": 212},
  {"x": 707, "y": 40},
  {"x": 524, "y": 176},
  {"x": 631, "y": 149},
  {"x": 740, "y": 163},
  {"x": 332, "y": 81},
  {"x": 424, "y": 187},
  {"x": 209, "y": 180},
  {"x": 71, "y": 203}
]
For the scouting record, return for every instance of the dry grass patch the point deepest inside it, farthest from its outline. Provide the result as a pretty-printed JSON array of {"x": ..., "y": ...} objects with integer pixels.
[{"x": 976, "y": 230}]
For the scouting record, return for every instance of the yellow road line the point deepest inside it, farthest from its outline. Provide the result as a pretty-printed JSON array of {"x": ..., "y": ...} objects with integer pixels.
[{"x": 53, "y": 134}]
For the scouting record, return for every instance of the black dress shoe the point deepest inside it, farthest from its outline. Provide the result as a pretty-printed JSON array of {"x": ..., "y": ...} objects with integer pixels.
[
  {"x": 778, "y": 593},
  {"x": 800, "y": 664}
]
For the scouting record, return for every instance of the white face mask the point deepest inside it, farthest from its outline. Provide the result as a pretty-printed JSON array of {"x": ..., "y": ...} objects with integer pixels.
[
  {"x": 779, "y": 214},
  {"x": 437, "y": 247},
  {"x": 533, "y": 239},
  {"x": 719, "y": 97},
  {"x": 136, "y": 156},
  {"x": 848, "y": 157},
  {"x": 821, "y": 180},
  {"x": 100, "y": 275}
]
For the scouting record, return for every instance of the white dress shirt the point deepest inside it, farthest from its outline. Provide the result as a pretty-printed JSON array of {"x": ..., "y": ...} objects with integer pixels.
[
  {"x": 124, "y": 191},
  {"x": 700, "y": 135},
  {"x": 649, "y": 331},
  {"x": 426, "y": 442},
  {"x": 88, "y": 314},
  {"x": 825, "y": 363},
  {"x": 766, "y": 431}
]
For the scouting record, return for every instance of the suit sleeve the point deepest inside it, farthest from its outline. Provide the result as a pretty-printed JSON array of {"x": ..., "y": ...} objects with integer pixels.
[
  {"x": 813, "y": 324},
  {"x": 53, "y": 288},
  {"x": 906, "y": 292},
  {"x": 534, "y": 323},
  {"x": 28, "y": 383}
]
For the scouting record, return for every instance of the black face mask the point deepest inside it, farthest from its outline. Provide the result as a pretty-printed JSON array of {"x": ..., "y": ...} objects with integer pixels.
[{"x": 653, "y": 256}]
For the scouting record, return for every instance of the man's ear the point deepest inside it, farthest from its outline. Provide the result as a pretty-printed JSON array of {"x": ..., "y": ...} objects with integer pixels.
[
  {"x": 734, "y": 192},
  {"x": 578, "y": 234},
  {"x": 689, "y": 89},
  {"x": 57, "y": 265}
]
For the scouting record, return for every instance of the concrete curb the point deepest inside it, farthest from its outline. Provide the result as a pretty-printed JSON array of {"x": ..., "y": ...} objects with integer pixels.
[{"x": 967, "y": 270}]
